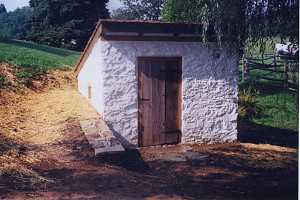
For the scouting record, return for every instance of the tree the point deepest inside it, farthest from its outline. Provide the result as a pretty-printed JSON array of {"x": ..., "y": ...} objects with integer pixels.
[
  {"x": 239, "y": 20},
  {"x": 140, "y": 9},
  {"x": 66, "y": 23},
  {"x": 15, "y": 24},
  {"x": 2, "y": 9},
  {"x": 39, "y": 23},
  {"x": 125, "y": 14}
]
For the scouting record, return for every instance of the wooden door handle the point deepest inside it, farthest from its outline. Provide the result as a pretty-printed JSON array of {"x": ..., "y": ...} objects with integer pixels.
[{"x": 142, "y": 99}]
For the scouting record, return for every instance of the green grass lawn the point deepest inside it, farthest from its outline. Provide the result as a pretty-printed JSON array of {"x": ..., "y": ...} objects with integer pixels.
[
  {"x": 279, "y": 110},
  {"x": 278, "y": 106},
  {"x": 31, "y": 55}
]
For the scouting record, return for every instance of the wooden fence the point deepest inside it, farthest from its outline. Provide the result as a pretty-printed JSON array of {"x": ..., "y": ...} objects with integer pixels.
[{"x": 280, "y": 70}]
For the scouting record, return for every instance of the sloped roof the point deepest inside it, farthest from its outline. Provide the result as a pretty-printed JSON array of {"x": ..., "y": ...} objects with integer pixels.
[{"x": 136, "y": 30}]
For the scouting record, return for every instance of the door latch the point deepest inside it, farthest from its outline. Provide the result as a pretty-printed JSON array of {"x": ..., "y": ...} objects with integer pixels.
[{"x": 142, "y": 99}]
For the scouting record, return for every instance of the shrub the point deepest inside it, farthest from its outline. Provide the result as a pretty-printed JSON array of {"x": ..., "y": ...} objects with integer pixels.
[
  {"x": 25, "y": 76},
  {"x": 38, "y": 71},
  {"x": 3, "y": 81},
  {"x": 248, "y": 104}
]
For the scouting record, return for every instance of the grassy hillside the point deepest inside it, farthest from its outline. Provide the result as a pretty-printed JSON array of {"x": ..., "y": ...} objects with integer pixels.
[
  {"x": 30, "y": 55},
  {"x": 30, "y": 61}
]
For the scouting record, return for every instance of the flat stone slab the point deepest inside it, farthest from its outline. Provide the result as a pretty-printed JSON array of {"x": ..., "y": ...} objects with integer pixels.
[
  {"x": 100, "y": 136},
  {"x": 183, "y": 155},
  {"x": 175, "y": 158},
  {"x": 195, "y": 156}
]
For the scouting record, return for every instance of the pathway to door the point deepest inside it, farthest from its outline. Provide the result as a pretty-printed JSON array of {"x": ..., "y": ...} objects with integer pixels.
[{"x": 49, "y": 123}]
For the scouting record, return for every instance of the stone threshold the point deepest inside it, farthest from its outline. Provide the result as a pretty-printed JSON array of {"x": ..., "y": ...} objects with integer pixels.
[{"x": 100, "y": 137}]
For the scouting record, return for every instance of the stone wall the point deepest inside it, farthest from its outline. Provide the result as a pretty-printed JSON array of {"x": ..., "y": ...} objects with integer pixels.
[{"x": 209, "y": 88}]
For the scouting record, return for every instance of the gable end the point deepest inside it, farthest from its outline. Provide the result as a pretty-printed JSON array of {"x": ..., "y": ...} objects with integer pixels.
[{"x": 88, "y": 49}]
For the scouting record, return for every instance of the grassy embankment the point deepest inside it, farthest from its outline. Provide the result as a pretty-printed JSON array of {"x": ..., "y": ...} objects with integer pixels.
[
  {"x": 30, "y": 55},
  {"x": 32, "y": 60}
]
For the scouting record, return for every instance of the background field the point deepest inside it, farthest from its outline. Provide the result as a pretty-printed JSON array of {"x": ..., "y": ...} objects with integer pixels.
[{"x": 31, "y": 55}]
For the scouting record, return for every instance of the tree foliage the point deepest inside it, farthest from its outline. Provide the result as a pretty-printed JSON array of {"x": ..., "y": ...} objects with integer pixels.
[
  {"x": 66, "y": 23},
  {"x": 15, "y": 24},
  {"x": 140, "y": 9},
  {"x": 2, "y": 8},
  {"x": 239, "y": 20},
  {"x": 125, "y": 14}
]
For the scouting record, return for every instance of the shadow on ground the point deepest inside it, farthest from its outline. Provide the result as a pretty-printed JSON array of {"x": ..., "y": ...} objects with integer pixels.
[
  {"x": 8, "y": 144},
  {"x": 258, "y": 134},
  {"x": 231, "y": 171},
  {"x": 130, "y": 160}
]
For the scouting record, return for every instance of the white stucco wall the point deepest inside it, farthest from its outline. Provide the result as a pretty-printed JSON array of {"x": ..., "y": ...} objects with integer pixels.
[
  {"x": 209, "y": 88},
  {"x": 91, "y": 74},
  {"x": 209, "y": 75}
]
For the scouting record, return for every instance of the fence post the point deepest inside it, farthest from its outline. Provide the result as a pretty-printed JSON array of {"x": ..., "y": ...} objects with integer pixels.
[
  {"x": 245, "y": 69},
  {"x": 275, "y": 63},
  {"x": 286, "y": 75}
]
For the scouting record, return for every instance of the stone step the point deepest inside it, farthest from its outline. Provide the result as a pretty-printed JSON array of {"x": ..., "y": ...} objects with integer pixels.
[{"x": 100, "y": 137}]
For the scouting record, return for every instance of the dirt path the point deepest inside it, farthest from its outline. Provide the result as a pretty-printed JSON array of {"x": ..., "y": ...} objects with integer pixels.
[
  {"x": 49, "y": 122},
  {"x": 50, "y": 125}
]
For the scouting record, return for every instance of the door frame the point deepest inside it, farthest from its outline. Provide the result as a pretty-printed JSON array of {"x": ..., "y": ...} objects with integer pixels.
[{"x": 164, "y": 58}]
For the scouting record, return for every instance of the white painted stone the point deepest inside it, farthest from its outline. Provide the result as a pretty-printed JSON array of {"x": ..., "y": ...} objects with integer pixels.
[
  {"x": 91, "y": 74},
  {"x": 209, "y": 75}
]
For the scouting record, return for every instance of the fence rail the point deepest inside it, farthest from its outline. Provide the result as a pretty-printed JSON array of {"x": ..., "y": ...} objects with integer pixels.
[{"x": 282, "y": 70}]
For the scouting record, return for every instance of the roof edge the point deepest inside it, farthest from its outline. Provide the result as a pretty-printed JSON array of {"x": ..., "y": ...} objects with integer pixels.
[
  {"x": 103, "y": 21},
  {"x": 84, "y": 55},
  {"x": 159, "y": 31}
]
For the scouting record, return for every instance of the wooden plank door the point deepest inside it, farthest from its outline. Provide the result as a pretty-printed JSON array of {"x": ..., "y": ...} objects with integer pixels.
[{"x": 159, "y": 100}]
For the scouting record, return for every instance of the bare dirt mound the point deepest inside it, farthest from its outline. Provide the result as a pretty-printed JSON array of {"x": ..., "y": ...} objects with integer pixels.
[
  {"x": 16, "y": 158},
  {"x": 14, "y": 87}
]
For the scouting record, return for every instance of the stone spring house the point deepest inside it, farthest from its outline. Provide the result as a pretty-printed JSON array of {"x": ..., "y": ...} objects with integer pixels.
[{"x": 157, "y": 83}]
